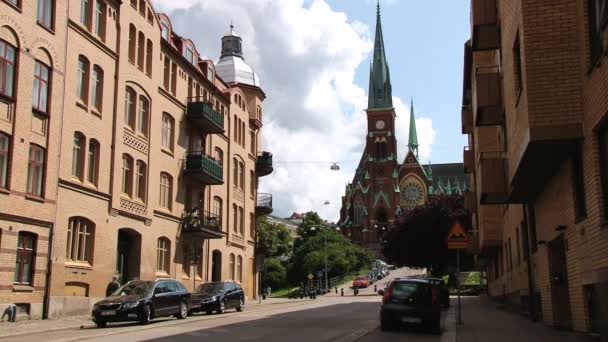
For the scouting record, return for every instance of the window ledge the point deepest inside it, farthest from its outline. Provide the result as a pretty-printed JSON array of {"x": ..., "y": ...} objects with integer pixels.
[
  {"x": 40, "y": 113},
  {"x": 80, "y": 265},
  {"x": 5, "y": 98},
  {"x": 46, "y": 28},
  {"x": 166, "y": 151},
  {"x": 82, "y": 105},
  {"x": 96, "y": 113},
  {"x": 22, "y": 288},
  {"x": 162, "y": 274},
  {"x": 185, "y": 277},
  {"x": 5, "y": 191},
  {"x": 16, "y": 8},
  {"x": 34, "y": 198}
]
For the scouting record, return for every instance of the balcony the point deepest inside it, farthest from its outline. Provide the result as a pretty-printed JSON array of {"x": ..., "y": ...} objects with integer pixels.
[
  {"x": 263, "y": 165},
  {"x": 466, "y": 119},
  {"x": 198, "y": 223},
  {"x": 202, "y": 115},
  {"x": 487, "y": 98},
  {"x": 203, "y": 168},
  {"x": 484, "y": 22},
  {"x": 493, "y": 178},
  {"x": 490, "y": 225},
  {"x": 263, "y": 205},
  {"x": 255, "y": 121},
  {"x": 468, "y": 156},
  {"x": 470, "y": 201}
]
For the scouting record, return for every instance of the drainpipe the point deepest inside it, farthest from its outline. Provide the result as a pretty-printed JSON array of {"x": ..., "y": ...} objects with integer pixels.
[{"x": 528, "y": 249}]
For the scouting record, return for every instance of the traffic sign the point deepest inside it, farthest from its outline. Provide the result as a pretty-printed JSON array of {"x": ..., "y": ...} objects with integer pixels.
[
  {"x": 311, "y": 276},
  {"x": 457, "y": 237}
]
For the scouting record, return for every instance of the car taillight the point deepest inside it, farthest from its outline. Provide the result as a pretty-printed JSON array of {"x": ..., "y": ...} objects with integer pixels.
[
  {"x": 434, "y": 295},
  {"x": 387, "y": 294}
]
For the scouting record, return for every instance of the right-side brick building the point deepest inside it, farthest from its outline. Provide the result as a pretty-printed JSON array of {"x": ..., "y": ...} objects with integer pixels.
[{"x": 535, "y": 109}]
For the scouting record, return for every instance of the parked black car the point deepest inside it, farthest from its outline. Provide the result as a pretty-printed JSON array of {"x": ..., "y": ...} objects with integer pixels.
[
  {"x": 408, "y": 301},
  {"x": 444, "y": 292},
  {"x": 142, "y": 300},
  {"x": 218, "y": 297}
]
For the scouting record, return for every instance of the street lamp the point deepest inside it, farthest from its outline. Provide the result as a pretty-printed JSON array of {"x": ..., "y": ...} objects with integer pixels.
[{"x": 325, "y": 256}]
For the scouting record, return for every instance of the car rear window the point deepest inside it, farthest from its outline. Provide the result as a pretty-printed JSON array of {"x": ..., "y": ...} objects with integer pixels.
[{"x": 405, "y": 290}]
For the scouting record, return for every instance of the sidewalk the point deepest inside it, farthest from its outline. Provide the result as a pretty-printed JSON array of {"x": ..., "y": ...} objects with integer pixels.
[
  {"x": 483, "y": 321},
  {"x": 35, "y": 326}
]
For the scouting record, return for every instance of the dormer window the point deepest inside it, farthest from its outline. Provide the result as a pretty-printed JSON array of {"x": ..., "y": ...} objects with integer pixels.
[
  {"x": 209, "y": 72},
  {"x": 189, "y": 53},
  {"x": 165, "y": 30}
]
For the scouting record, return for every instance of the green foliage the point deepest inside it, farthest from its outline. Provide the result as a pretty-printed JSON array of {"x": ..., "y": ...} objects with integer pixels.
[
  {"x": 273, "y": 239},
  {"x": 419, "y": 240},
  {"x": 310, "y": 252},
  {"x": 275, "y": 274}
]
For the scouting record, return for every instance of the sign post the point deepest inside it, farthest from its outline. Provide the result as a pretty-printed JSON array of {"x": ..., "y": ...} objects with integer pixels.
[{"x": 457, "y": 239}]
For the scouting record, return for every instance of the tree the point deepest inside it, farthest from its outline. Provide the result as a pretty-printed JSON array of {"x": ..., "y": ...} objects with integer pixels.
[
  {"x": 274, "y": 239},
  {"x": 419, "y": 238},
  {"x": 275, "y": 274}
]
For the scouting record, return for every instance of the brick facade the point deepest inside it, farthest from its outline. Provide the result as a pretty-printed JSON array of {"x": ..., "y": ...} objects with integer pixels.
[
  {"x": 552, "y": 102},
  {"x": 102, "y": 58}
]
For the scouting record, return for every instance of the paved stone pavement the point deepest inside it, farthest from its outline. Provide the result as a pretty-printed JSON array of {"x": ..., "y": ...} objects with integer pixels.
[{"x": 483, "y": 321}]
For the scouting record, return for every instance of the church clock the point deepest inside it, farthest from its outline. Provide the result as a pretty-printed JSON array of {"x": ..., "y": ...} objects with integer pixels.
[
  {"x": 379, "y": 124},
  {"x": 412, "y": 194}
]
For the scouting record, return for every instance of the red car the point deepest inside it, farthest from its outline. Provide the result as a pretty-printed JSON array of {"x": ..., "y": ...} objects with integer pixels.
[{"x": 360, "y": 282}]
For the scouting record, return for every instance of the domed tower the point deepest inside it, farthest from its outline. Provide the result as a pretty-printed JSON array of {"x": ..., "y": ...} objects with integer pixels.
[{"x": 232, "y": 67}]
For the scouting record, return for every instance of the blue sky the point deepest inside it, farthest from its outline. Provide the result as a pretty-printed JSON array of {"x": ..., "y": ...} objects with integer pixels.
[{"x": 424, "y": 42}]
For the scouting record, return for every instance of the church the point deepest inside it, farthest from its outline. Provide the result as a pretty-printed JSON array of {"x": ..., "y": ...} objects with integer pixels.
[{"x": 383, "y": 189}]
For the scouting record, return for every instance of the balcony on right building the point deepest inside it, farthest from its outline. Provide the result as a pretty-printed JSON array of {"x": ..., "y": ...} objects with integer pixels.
[
  {"x": 263, "y": 165},
  {"x": 263, "y": 205}
]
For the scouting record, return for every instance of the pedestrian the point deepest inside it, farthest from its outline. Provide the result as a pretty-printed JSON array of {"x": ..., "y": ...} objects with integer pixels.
[
  {"x": 11, "y": 312},
  {"x": 112, "y": 286}
]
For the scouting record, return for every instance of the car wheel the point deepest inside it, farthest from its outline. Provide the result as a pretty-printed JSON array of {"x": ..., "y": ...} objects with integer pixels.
[
  {"x": 146, "y": 315},
  {"x": 435, "y": 326},
  {"x": 101, "y": 324},
  {"x": 222, "y": 307},
  {"x": 241, "y": 305},
  {"x": 385, "y": 325},
  {"x": 183, "y": 311}
]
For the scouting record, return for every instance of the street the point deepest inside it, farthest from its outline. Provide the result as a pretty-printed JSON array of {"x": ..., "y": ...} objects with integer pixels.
[{"x": 328, "y": 318}]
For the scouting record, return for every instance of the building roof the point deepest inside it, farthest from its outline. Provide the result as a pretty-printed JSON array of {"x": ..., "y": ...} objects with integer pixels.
[
  {"x": 232, "y": 67},
  {"x": 380, "y": 90},
  {"x": 452, "y": 174}
]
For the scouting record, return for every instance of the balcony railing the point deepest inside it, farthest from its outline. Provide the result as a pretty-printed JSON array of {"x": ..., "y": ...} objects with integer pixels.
[
  {"x": 493, "y": 176},
  {"x": 484, "y": 21},
  {"x": 263, "y": 165},
  {"x": 490, "y": 227},
  {"x": 200, "y": 223},
  {"x": 468, "y": 156},
  {"x": 488, "y": 104},
  {"x": 263, "y": 205},
  {"x": 255, "y": 120},
  {"x": 204, "y": 168},
  {"x": 203, "y": 116}
]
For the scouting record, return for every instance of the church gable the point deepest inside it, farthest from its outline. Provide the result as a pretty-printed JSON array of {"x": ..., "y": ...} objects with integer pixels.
[{"x": 411, "y": 165}]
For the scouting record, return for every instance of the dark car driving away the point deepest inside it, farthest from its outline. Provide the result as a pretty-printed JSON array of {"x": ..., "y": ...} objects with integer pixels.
[
  {"x": 218, "y": 297},
  {"x": 141, "y": 300},
  {"x": 407, "y": 301}
]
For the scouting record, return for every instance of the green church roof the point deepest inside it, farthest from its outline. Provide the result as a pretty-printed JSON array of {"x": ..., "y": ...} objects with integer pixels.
[{"x": 380, "y": 90}]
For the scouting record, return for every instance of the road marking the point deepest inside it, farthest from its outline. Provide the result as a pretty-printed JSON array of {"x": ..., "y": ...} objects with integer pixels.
[{"x": 355, "y": 335}]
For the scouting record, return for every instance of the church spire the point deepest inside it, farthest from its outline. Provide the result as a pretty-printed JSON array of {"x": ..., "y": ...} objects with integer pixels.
[
  {"x": 413, "y": 136},
  {"x": 380, "y": 89}
]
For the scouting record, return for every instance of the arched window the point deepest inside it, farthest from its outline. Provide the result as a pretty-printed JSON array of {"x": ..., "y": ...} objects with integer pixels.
[
  {"x": 252, "y": 183},
  {"x": 217, "y": 206},
  {"x": 82, "y": 89},
  {"x": 25, "y": 259},
  {"x": 143, "y": 114},
  {"x": 163, "y": 255},
  {"x": 81, "y": 240},
  {"x": 242, "y": 176},
  {"x": 167, "y": 132},
  {"x": 140, "y": 181},
  {"x": 141, "y": 49},
  {"x": 239, "y": 269},
  {"x": 130, "y": 107},
  {"x": 132, "y": 42},
  {"x": 7, "y": 68},
  {"x": 100, "y": 19},
  {"x": 78, "y": 149},
  {"x": 127, "y": 175},
  {"x": 235, "y": 168},
  {"x": 235, "y": 218},
  {"x": 189, "y": 52},
  {"x": 231, "y": 265},
  {"x": 241, "y": 221},
  {"x": 97, "y": 88},
  {"x": 219, "y": 156},
  {"x": 166, "y": 191},
  {"x": 93, "y": 165},
  {"x": 164, "y": 25},
  {"x": 142, "y": 8},
  {"x": 149, "y": 55},
  {"x": 85, "y": 13},
  {"x": 35, "y": 170}
]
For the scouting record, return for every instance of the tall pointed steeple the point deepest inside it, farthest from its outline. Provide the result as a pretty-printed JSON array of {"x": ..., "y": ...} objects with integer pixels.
[
  {"x": 380, "y": 89},
  {"x": 413, "y": 137}
]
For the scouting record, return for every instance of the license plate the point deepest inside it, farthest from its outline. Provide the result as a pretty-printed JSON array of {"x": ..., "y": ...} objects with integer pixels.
[
  {"x": 411, "y": 320},
  {"x": 108, "y": 313}
]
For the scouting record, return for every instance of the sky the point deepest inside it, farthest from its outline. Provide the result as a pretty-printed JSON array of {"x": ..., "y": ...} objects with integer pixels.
[{"x": 313, "y": 59}]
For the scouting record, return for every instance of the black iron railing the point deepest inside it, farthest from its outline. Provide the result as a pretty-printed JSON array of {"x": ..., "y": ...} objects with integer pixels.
[{"x": 197, "y": 220}]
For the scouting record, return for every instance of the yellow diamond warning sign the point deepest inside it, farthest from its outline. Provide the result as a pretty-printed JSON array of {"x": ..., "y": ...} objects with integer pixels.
[{"x": 457, "y": 237}]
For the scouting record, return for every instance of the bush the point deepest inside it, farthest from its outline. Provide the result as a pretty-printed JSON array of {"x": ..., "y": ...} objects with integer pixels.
[{"x": 275, "y": 275}]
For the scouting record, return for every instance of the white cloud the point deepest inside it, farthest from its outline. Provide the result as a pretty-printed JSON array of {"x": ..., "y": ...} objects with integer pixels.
[{"x": 306, "y": 55}]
